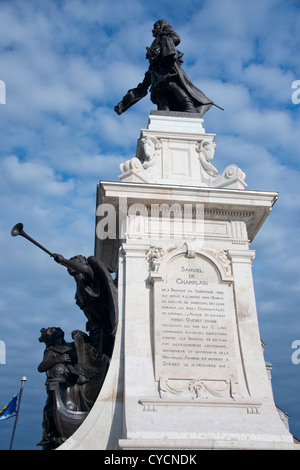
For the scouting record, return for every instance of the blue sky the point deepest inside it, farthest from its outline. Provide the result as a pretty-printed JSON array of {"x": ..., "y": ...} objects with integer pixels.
[{"x": 65, "y": 65}]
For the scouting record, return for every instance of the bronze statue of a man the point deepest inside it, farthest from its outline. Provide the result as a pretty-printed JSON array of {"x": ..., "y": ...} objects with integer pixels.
[{"x": 170, "y": 88}]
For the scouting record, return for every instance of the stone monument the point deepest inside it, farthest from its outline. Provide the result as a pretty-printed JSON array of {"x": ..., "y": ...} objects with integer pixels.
[{"x": 187, "y": 370}]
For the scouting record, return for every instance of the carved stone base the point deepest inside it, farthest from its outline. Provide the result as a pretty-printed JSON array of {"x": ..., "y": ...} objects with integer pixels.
[{"x": 176, "y": 149}]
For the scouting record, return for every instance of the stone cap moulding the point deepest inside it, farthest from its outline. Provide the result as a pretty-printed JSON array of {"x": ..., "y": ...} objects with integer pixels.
[{"x": 251, "y": 206}]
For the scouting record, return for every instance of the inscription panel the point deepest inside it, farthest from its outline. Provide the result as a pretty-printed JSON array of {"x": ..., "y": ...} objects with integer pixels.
[{"x": 194, "y": 322}]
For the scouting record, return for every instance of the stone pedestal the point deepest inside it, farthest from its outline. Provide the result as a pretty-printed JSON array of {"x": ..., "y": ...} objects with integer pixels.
[
  {"x": 175, "y": 149},
  {"x": 188, "y": 370}
]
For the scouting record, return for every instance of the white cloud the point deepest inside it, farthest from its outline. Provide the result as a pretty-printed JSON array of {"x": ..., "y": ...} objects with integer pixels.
[
  {"x": 269, "y": 83},
  {"x": 35, "y": 178}
]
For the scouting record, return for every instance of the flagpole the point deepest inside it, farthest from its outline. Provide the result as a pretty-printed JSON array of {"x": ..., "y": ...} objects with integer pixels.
[{"x": 23, "y": 380}]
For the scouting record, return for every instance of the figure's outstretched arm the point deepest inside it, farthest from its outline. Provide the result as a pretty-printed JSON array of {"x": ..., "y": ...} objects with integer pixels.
[
  {"x": 134, "y": 95},
  {"x": 74, "y": 264}
]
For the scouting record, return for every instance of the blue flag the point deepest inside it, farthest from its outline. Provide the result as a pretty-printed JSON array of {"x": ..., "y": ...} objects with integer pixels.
[{"x": 10, "y": 409}]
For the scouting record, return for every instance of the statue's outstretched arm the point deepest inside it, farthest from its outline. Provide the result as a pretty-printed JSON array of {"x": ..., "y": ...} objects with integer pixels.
[
  {"x": 74, "y": 264},
  {"x": 134, "y": 95}
]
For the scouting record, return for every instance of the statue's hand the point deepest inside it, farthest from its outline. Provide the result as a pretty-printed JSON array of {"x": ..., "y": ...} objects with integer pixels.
[
  {"x": 58, "y": 258},
  {"x": 118, "y": 108}
]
